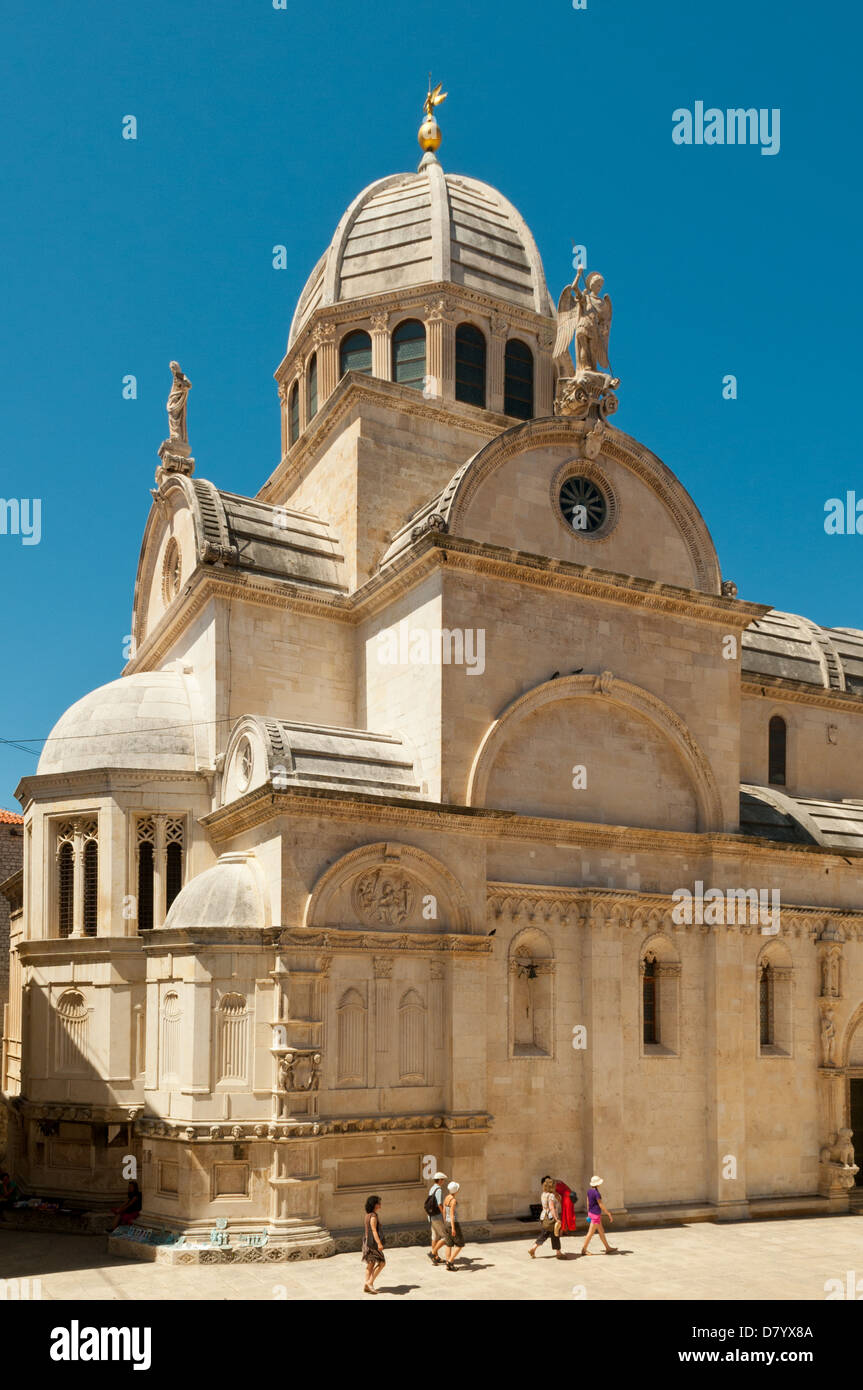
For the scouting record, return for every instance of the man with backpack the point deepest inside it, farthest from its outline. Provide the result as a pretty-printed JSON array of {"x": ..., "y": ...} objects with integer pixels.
[{"x": 434, "y": 1210}]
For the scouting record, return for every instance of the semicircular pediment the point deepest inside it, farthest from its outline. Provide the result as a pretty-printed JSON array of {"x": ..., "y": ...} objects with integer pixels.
[{"x": 512, "y": 494}]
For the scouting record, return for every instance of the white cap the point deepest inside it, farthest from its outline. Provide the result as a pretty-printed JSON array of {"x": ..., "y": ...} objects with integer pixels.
[{"x": 453, "y": 1186}]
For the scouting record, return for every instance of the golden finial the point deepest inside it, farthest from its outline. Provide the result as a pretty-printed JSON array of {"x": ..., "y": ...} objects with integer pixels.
[{"x": 429, "y": 134}]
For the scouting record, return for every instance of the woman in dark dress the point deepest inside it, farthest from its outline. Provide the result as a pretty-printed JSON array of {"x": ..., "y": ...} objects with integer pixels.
[
  {"x": 129, "y": 1212},
  {"x": 374, "y": 1258}
]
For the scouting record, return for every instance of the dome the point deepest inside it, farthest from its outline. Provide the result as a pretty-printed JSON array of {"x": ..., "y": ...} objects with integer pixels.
[
  {"x": 423, "y": 228},
  {"x": 139, "y": 721},
  {"x": 228, "y": 895},
  {"x": 794, "y": 648}
]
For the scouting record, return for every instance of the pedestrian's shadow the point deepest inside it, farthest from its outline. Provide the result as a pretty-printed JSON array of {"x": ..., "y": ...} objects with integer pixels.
[
  {"x": 586, "y": 1254},
  {"x": 397, "y": 1288},
  {"x": 472, "y": 1265}
]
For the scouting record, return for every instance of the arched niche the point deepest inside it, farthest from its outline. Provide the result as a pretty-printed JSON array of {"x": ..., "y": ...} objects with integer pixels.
[{"x": 530, "y": 995}]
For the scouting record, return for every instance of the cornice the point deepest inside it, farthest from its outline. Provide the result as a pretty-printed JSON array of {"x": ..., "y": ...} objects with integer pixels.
[
  {"x": 541, "y": 572},
  {"x": 79, "y": 948},
  {"x": 264, "y": 805},
  {"x": 799, "y": 693},
  {"x": 430, "y": 553},
  {"x": 597, "y": 907},
  {"x": 207, "y": 1132},
  {"x": 96, "y": 781}
]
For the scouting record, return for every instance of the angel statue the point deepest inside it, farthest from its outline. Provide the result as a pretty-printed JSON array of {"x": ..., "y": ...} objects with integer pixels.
[
  {"x": 586, "y": 313},
  {"x": 433, "y": 99}
]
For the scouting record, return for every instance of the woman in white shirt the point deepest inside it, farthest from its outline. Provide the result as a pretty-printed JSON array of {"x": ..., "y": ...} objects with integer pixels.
[{"x": 549, "y": 1220}]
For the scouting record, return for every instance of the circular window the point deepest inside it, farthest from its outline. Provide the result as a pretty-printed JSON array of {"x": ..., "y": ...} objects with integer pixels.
[
  {"x": 583, "y": 504},
  {"x": 245, "y": 764},
  {"x": 171, "y": 572}
]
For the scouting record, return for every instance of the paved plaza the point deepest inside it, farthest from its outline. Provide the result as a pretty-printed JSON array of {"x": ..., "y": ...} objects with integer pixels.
[{"x": 771, "y": 1260}]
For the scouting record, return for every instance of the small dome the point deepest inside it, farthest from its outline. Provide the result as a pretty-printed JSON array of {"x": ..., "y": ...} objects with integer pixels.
[
  {"x": 422, "y": 228},
  {"x": 228, "y": 895},
  {"x": 140, "y": 721}
]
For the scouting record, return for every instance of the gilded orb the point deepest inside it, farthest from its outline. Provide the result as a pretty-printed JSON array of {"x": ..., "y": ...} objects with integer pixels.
[{"x": 429, "y": 134}]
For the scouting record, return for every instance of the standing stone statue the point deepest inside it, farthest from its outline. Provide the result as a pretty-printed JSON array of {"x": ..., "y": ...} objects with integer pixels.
[
  {"x": 174, "y": 451},
  {"x": 828, "y": 1039},
  {"x": 180, "y": 388},
  {"x": 585, "y": 315}
]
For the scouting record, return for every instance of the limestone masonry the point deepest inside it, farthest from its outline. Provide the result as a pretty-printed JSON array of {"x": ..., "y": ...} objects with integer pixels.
[{"x": 364, "y": 867}]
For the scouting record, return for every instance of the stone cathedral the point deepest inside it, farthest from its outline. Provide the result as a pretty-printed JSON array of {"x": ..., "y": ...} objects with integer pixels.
[{"x": 432, "y": 821}]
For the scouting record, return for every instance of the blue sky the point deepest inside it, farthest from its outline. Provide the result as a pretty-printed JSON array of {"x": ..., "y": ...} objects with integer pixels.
[{"x": 257, "y": 126}]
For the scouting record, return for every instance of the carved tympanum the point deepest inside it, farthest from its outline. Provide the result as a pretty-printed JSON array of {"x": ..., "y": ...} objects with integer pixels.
[{"x": 383, "y": 897}]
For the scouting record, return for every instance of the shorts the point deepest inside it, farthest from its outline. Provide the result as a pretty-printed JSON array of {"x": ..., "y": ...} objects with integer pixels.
[
  {"x": 437, "y": 1228},
  {"x": 595, "y": 1219},
  {"x": 454, "y": 1240}
]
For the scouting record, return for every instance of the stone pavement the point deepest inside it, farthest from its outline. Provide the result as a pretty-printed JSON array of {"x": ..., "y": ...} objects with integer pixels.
[{"x": 776, "y": 1260}]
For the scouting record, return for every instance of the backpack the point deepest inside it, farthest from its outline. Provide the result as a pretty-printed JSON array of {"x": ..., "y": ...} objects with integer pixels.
[{"x": 430, "y": 1205}]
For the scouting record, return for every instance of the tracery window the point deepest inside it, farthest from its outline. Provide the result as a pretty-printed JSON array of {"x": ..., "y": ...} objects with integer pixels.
[
  {"x": 77, "y": 877},
  {"x": 518, "y": 380},
  {"x": 469, "y": 365},
  {"x": 355, "y": 353},
  {"x": 160, "y": 846},
  {"x": 409, "y": 354},
  {"x": 777, "y": 740}
]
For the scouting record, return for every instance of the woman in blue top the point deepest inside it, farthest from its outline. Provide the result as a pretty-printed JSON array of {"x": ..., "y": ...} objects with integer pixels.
[{"x": 596, "y": 1209}]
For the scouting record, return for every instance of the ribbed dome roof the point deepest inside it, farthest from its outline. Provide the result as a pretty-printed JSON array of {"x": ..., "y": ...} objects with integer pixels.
[
  {"x": 415, "y": 229},
  {"x": 228, "y": 895},
  {"x": 140, "y": 721},
  {"x": 786, "y": 645}
]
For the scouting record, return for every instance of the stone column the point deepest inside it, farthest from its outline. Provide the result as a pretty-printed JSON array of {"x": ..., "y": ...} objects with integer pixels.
[
  {"x": 543, "y": 375},
  {"x": 78, "y": 880},
  {"x": 495, "y": 371},
  {"x": 440, "y": 350},
  {"x": 381, "y": 356},
  {"x": 283, "y": 414},
  {"x": 604, "y": 1007},
  {"x": 324, "y": 338},
  {"x": 381, "y": 1031},
  {"x": 728, "y": 1008},
  {"x": 467, "y": 1139},
  {"x": 198, "y": 1032},
  {"x": 159, "y": 884}
]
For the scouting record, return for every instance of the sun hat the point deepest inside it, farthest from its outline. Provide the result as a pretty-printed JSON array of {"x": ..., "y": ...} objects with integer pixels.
[
  {"x": 439, "y": 1175},
  {"x": 595, "y": 1181},
  {"x": 453, "y": 1186}
]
